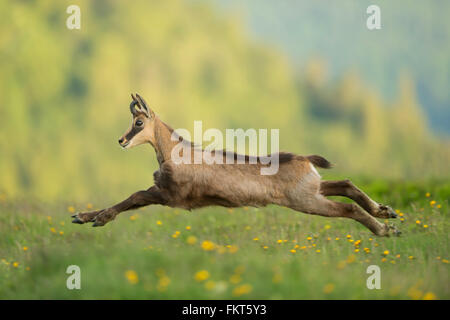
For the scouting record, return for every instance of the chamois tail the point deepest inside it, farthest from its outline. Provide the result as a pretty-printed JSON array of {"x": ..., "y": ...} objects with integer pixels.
[{"x": 319, "y": 161}]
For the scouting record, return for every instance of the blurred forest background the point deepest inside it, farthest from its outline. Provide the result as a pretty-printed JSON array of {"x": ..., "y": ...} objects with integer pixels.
[{"x": 65, "y": 93}]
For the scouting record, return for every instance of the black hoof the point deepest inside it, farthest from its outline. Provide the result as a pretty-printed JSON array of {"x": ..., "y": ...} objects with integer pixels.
[
  {"x": 96, "y": 224},
  {"x": 395, "y": 231},
  {"x": 77, "y": 220},
  {"x": 392, "y": 214}
]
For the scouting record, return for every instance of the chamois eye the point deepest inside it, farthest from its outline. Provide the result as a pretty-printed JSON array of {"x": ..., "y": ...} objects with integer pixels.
[{"x": 139, "y": 123}]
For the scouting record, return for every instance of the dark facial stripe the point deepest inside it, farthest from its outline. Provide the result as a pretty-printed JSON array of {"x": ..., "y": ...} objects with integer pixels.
[{"x": 134, "y": 131}]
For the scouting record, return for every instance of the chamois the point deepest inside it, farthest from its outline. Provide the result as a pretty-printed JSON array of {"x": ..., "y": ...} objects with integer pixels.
[{"x": 296, "y": 185}]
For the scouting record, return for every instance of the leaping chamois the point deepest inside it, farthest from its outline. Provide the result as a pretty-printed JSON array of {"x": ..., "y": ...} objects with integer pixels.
[{"x": 296, "y": 185}]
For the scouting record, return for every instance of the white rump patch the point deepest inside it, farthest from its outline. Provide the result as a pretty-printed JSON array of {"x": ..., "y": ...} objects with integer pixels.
[{"x": 314, "y": 169}]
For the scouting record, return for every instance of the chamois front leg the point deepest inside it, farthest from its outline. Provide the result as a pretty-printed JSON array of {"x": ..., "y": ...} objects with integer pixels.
[{"x": 139, "y": 199}]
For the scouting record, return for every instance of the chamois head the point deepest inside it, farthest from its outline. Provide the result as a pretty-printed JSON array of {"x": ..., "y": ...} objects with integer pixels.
[{"x": 142, "y": 126}]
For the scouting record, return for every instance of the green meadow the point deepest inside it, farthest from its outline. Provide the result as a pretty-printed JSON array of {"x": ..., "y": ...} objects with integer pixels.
[
  {"x": 64, "y": 102},
  {"x": 217, "y": 253}
]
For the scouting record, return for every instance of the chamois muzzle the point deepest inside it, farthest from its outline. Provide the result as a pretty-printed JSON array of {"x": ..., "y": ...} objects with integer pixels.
[{"x": 123, "y": 142}]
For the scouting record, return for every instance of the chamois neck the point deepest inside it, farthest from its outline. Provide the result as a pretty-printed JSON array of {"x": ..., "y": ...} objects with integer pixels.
[{"x": 163, "y": 142}]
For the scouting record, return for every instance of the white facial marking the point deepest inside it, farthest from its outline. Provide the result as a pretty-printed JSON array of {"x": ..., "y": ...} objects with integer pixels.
[{"x": 129, "y": 144}]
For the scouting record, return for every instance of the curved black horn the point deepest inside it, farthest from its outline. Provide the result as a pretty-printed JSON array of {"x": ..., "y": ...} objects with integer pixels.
[{"x": 132, "y": 109}]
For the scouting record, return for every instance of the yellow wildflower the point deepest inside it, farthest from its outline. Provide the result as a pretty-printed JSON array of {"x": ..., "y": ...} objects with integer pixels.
[
  {"x": 328, "y": 288},
  {"x": 201, "y": 275},
  {"x": 210, "y": 285},
  {"x": 242, "y": 289},
  {"x": 163, "y": 282},
  {"x": 415, "y": 293},
  {"x": 235, "y": 278},
  {"x": 208, "y": 245},
  {"x": 131, "y": 276},
  {"x": 429, "y": 296},
  {"x": 191, "y": 240}
]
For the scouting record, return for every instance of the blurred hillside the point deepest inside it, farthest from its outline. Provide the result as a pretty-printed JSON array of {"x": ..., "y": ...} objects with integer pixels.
[
  {"x": 65, "y": 97},
  {"x": 414, "y": 38}
]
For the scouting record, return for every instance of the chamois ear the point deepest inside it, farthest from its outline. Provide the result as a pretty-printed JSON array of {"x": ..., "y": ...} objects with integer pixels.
[{"x": 144, "y": 106}]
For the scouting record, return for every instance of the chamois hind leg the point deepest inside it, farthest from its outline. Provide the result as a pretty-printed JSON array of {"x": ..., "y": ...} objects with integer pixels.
[
  {"x": 347, "y": 189},
  {"x": 328, "y": 208}
]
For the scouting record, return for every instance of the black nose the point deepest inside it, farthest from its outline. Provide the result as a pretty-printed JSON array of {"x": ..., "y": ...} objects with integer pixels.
[{"x": 120, "y": 140}]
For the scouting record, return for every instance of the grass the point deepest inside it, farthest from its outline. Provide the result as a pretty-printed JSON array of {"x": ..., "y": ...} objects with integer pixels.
[{"x": 216, "y": 253}]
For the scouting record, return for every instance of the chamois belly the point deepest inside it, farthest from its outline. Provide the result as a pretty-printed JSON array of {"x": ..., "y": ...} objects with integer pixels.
[
  {"x": 233, "y": 192},
  {"x": 228, "y": 185}
]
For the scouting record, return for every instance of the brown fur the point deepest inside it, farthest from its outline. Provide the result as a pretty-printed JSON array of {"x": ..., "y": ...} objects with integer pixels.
[{"x": 296, "y": 185}]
